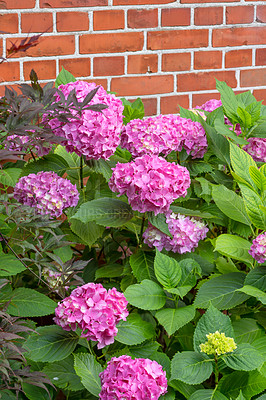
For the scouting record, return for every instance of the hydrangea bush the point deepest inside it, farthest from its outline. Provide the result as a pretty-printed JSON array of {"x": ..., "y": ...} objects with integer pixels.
[{"x": 133, "y": 250}]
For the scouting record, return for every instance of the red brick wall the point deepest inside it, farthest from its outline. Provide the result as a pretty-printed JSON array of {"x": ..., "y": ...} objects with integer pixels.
[{"x": 166, "y": 52}]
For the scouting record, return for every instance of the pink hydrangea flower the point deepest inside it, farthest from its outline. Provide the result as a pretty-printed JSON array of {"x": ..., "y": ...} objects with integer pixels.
[
  {"x": 95, "y": 135},
  {"x": 47, "y": 192},
  {"x": 186, "y": 232},
  {"x": 18, "y": 143},
  {"x": 94, "y": 310},
  {"x": 151, "y": 183},
  {"x": 258, "y": 248},
  {"x": 127, "y": 379},
  {"x": 256, "y": 148}
]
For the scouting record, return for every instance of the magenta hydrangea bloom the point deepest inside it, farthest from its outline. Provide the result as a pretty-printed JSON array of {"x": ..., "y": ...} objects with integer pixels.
[
  {"x": 186, "y": 232},
  {"x": 258, "y": 248},
  {"x": 94, "y": 310},
  {"x": 151, "y": 183},
  {"x": 47, "y": 192},
  {"x": 127, "y": 379},
  {"x": 163, "y": 134},
  {"x": 17, "y": 143},
  {"x": 256, "y": 148},
  {"x": 95, "y": 135}
]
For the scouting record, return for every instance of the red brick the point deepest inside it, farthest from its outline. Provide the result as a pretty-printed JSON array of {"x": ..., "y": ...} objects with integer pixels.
[
  {"x": 49, "y": 46},
  {"x": 238, "y": 36},
  {"x": 101, "y": 82},
  {"x": 238, "y": 58},
  {"x": 137, "y": 86},
  {"x": 260, "y": 94},
  {"x": 139, "y": 2},
  {"x": 142, "y": 18},
  {"x": 77, "y": 66},
  {"x": 37, "y": 22},
  {"x": 45, "y": 69},
  {"x": 105, "y": 66},
  {"x": 261, "y": 14},
  {"x": 239, "y": 14},
  {"x": 15, "y": 4},
  {"x": 200, "y": 98},
  {"x": 150, "y": 106},
  {"x": 71, "y": 3},
  {"x": 208, "y": 16},
  {"x": 207, "y": 59},
  {"x": 9, "y": 71},
  {"x": 72, "y": 21},
  {"x": 176, "y": 62},
  {"x": 140, "y": 64},
  {"x": 261, "y": 57},
  {"x": 206, "y": 1},
  {"x": 170, "y": 104},
  {"x": 179, "y": 39},
  {"x": 111, "y": 43},
  {"x": 9, "y": 23},
  {"x": 204, "y": 80},
  {"x": 109, "y": 19},
  {"x": 175, "y": 16},
  {"x": 253, "y": 77}
]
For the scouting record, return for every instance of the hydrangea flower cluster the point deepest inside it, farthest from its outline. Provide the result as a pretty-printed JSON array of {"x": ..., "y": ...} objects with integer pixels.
[
  {"x": 256, "y": 148},
  {"x": 151, "y": 183},
  {"x": 127, "y": 379},
  {"x": 94, "y": 310},
  {"x": 96, "y": 134},
  {"x": 163, "y": 134},
  {"x": 17, "y": 143},
  {"x": 47, "y": 192},
  {"x": 186, "y": 232},
  {"x": 218, "y": 344},
  {"x": 53, "y": 278},
  {"x": 258, "y": 248}
]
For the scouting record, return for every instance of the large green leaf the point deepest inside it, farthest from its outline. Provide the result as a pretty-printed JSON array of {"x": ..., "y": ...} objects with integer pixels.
[
  {"x": 257, "y": 278},
  {"x": 253, "y": 204},
  {"x": 244, "y": 358},
  {"x": 64, "y": 77},
  {"x": 88, "y": 370},
  {"x": 221, "y": 291},
  {"x": 251, "y": 383},
  {"x": 30, "y": 303},
  {"x": 218, "y": 143},
  {"x": 50, "y": 343},
  {"x": 9, "y": 176},
  {"x": 167, "y": 270},
  {"x": 213, "y": 320},
  {"x": 235, "y": 247},
  {"x": 134, "y": 330},
  {"x": 34, "y": 392},
  {"x": 260, "y": 346},
  {"x": 184, "y": 388},
  {"x": 142, "y": 265},
  {"x": 207, "y": 394},
  {"x": 172, "y": 319},
  {"x": 229, "y": 100},
  {"x": 10, "y": 265},
  {"x": 104, "y": 211},
  {"x": 255, "y": 292},
  {"x": 52, "y": 162},
  {"x": 190, "y": 273},
  {"x": 88, "y": 233},
  {"x": 258, "y": 178},
  {"x": 246, "y": 330},
  {"x": 147, "y": 295},
  {"x": 191, "y": 367},
  {"x": 241, "y": 161},
  {"x": 159, "y": 221}
]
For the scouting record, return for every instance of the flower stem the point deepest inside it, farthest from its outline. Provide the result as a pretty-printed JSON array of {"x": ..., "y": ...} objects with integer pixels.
[
  {"x": 142, "y": 227},
  {"x": 81, "y": 172},
  {"x": 216, "y": 371}
]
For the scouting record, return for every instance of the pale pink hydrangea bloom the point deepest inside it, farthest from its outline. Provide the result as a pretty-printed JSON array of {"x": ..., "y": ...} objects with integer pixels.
[
  {"x": 256, "y": 148},
  {"x": 95, "y": 135},
  {"x": 258, "y": 248},
  {"x": 186, "y": 232},
  {"x": 47, "y": 192},
  {"x": 163, "y": 134},
  {"x": 151, "y": 183},
  {"x": 94, "y": 310},
  {"x": 17, "y": 143},
  {"x": 127, "y": 379}
]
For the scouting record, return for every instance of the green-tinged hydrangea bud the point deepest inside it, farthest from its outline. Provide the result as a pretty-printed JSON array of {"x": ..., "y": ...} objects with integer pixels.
[{"x": 218, "y": 344}]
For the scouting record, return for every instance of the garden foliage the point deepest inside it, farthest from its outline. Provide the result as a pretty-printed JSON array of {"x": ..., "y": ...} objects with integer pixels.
[{"x": 132, "y": 270}]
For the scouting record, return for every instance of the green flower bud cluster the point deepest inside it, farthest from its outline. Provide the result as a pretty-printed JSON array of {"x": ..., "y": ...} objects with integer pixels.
[{"x": 218, "y": 344}]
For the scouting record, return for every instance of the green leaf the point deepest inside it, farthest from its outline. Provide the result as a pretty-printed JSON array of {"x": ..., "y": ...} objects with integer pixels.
[
  {"x": 63, "y": 375},
  {"x": 223, "y": 129},
  {"x": 246, "y": 330},
  {"x": 188, "y": 114},
  {"x": 207, "y": 394},
  {"x": 173, "y": 319},
  {"x": 191, "y": 367},
  {"x": 253, "y": 204},
  {"x": 110, "y": 271},
  {"x": 251, "y": 383},
  {"x": 64, "y": 77},
  {"x": 240, "y": 396},
  {"x": 228, "y": 98},
  {"x": 100, "y": 167},
  {"x": 10, "y": 265},
  {"x": 212, "y": 321},
  {"x": 167, "y": 270},
  {"x": 218, "y": 143},
  {"x": 142, "y": 265},
  {"x": 221, "y": 291},
  {"x": 9, "y": 176},
  {"x": 134, "y": 330},
  {"x": 184, "y": 388},
  {"x": 52, "y": 162},
  {"x": 159, "y": 221},
  {"x": 244, "y": 358},
  {"x": 235, "y": 247},
  {"x": 30, "y": 303},
  {"x": 191, "y": 213},
  {"x": 258, "y": 178},
  {"x": 231, "y": 204},
  {"x": 255, "y": 292},
  {"x": 50, "y": 343},
  {"x": 88, "y": 370},
  {"x": 245, "y": 117},
  {"x": 241, "y": 161},
  {"x": 260, "y": 346},
  {"x": 104, "y": 211},
  {"x": 34, "y": 392},
  {"x": 257, "y": 278},
  {"x": 246, "y": 98},
  {"x": 190, "y": 272},
  {"x": 147, "y": 295},
  {"x": 133, "y": 110},
  {"x": 170, "y": 395},
  {"x": 88, "y": 233}
]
